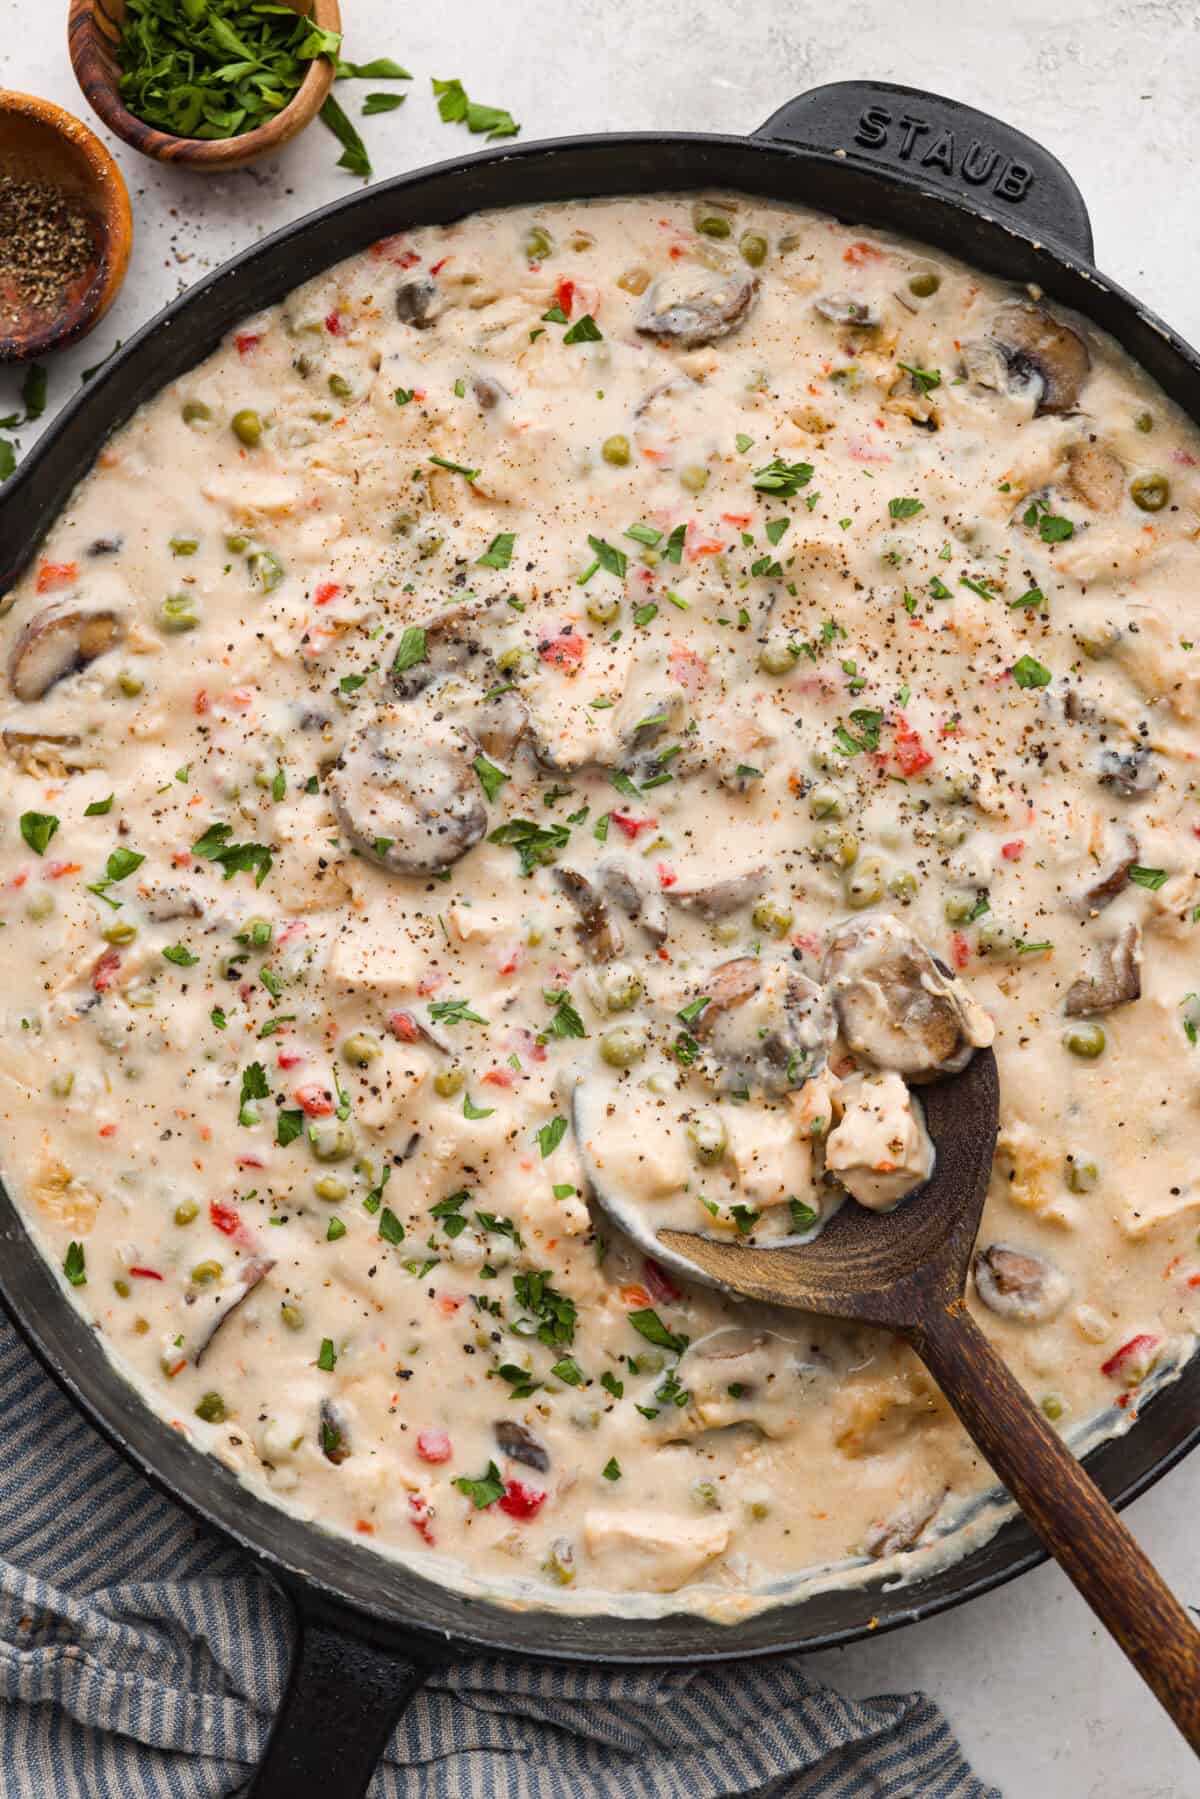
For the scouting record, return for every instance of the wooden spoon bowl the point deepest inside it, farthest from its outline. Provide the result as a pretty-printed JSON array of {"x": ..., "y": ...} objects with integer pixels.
[
  {"x": 93, "y": 34},
  {"x": 42, "y": 144}
]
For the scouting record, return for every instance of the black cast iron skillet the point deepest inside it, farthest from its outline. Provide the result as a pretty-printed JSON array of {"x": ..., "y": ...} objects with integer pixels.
[{"x": 370, "y": 1631}]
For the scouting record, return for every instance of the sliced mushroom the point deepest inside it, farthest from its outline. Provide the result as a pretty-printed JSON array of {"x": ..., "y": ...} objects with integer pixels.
[
  {"x": 488, "y": 393},
  {"x": 1114, "y": 977},
  {"x": 1113, "y": 876},
  {"x": 1018, "y": 1284},
  {"x": 845, "y": 309},
  {"x": 898, "y": 1007},
  {"x": 1042, "y": 355},
  {"x": 643, "y": 904},
  {"x": 333, "y": 1434},
  {"x": 168, "y": 903},
  {"x": 222, "y": 1304},
  {"x": 419, "y": 302},
  {"x": 56, "y": 643},
  {"x": 674, "y": 385},
  {"x": 910, "y": 398},
  {"x": 646, "y": 755},
  {"x": 105, "y": 546},
  {"x": 597, "y": 928},
  {"x": 407, "y": 797},
  {"x": 521, "y": 1444},
  {"x": 904, "y": 1528},
  {"x": 696, "y": 309},
  {"x": 455, "y": 652},
  {"x": 719, "y": 898},
  {"x": 1130, "y": 773},
  {"x": 765, "y": 1024},
  {"x": 1095, "y": 476}
]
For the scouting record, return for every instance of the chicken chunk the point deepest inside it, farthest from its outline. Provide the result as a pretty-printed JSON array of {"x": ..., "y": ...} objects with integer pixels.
[
  {"x": 652, "y": 1552},
  {"x": 880, "y": 1150}
]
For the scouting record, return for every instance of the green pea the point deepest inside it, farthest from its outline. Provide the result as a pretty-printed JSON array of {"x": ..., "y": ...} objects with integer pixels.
[
  {"x": 1144, "y": 422},
  {"x": 768, "y": 915},
  {"x": 958, "y": 907},
  {"x": 122, "y": 1288},
  {"x": 924, "y": 285},
  {"x": 129, "y": 683},
  {"x": 179, "y": 612},
  {"x": 865, "y": 886},
  {"x": 836, "y": 846},
  {"x": 705, "y": 1495},
  {"x": 186, "y": 1212},
  {"x": 825, "y": 801},
  {"x": 292, "y": 1316},
  {"x": 623, "y": 1046},
  {"x": 195, "y": 412},
  {"x": 622, "y": 988},
  {"x": 616, "y": 450},
  {"x": 120, "y": 931},
  {"x": 449, "y": 1081},
  {"x": 709, "y": 1137},
  {"x": 331, "y": 1141},
  {"x": 236, "y": 541},
  {"x": 511, "y": 658},
  {"x": 712, "y": 224},
  {"x": 1086, "y": 1040},
  {"x": 775, "y": 657},
  {"x": 693, "y": 476},
  {"x": 247, "y": 427},
  {"x": 1150, "y": 492},
  {"x": 266, "y": 569},
  {"x": 183, "y": 546},
  {"x": 331, "y": 1188},
  {"x": 753, "y": 247},
  {"x": 602, "y": 608},
  {"x": 340, "y": 388},
  {"x": 537, "y": 244},
  {"x": 205, "y": 1273},
  {"x": 212, "y": 1409},
  {"x": 360, "y": 1049},
  {"x": 1080, "y": 1174},
  {"x": 1053, "y": 1407},
  {"x": 903, "y": 885}
]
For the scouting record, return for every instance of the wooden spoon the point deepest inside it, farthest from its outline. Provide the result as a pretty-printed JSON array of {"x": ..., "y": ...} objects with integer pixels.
[{"x": 907, "y": 1271}]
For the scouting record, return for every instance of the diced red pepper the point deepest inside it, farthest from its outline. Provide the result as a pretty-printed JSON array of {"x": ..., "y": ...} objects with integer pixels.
[
  {"x": 659, "y": 1283},
  {"x": 498, "y": 1077},
  {"x": 105, "y": 971},
  {"x": 1012, "y": 852},
  {"x": 56, "y": 574},
  {"x": 290, "y": 1058},
  {"x": 439, "y": 266},
  {"x": 564, "y": 651},
  {"x": 328, "y": 590},
  {"x": 911, "y": 753},
  {"x": 1133, "y": 1361},
  {"x": 960, "y": 949},
  {"x": 631, "y": 826},
  {"x": 404, "y": 1026},
  {"x": 201, "y": 703},
  {"x": 224, "y": 1217},
  {"x": 418, "y": 1505},
  {"x": 146, "y": 1274},
  {"x": 859, "y": 253},
  {"x": 247, "y": 341},
  {"x": 520, "y": 1501},
  {"x": 54, "y": 871},
  {"x": 333, "y": 324},
  {"x": 314, "y": 1099},
  {"x": 666, "y": 875},
  {"x": 564, "y": 293},
  {"x": 434, "y": 1446}
]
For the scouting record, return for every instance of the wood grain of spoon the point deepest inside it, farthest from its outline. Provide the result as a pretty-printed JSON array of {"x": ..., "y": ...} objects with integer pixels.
[{"x": 907, "y": 1271}]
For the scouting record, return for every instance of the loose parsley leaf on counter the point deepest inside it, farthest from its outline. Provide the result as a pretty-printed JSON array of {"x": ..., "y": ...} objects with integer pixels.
[
  {"x": 456, "y": 109},
  {"x": 354, "y": 156},
  {"x": 382, "y": 103}
]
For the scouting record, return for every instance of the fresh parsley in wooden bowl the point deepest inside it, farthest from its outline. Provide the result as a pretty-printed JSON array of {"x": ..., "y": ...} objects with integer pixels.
[{"x": 205, "y": 84}]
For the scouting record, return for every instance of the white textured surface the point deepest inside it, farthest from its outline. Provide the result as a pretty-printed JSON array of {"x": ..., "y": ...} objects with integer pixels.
[{"x": 1044, "y": 1703}]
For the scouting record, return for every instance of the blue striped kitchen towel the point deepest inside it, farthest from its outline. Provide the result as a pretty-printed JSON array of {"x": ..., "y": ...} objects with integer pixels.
[{"x": 141, "y": 1658}]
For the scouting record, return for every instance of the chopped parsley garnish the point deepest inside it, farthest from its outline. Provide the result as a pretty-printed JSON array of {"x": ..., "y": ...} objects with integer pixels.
[
  {"x": 691, "y": 1012},
  {"x": 327, "y": 1356},
  {"x": 1030, "y": 600},
  {"x": 482, "y": 1492},
  {"x": 612, "y": 1385},
  {"x": 551, "y": 1135},
  {"x": 784, "y": 479},
  {"x": 584, "y": 331},
  {"x": 449, "y": 1212},
  {"x": 455, "y": 468},
  {"x": 181, "y": 955},
  {"x": 645, "y": 534},
  {"x": 335, "y": 1230},
  {"x": 924, "y": 379},
  {"x": 499, "y": 552},
  {"x": 74, "y": 1265},
  {"x": 644, "y": 615},
  {"x": 675, "y": 543},
  {"x": 254, "y": 1086},
  {"x": 611, "y": 1469},
  {"x": 471, "y": 1110},
  {"x": 288, "y": 1126},
  {"x": 37, "y": 828},
  {"x": 234, "y": 858},
  {"x": 613, "y": 560},
  {"x": 390, "y": 1227},
  {"x": 1050, "y": 527},
  {"x": 803, "y": 1217},
  {"x": 649, "y": 1325},
  {"x": 568, "y": 1371},
  {"x": 535, "y": 844},
  {"x": 985, "y": 593},
  {"x": 938, "y": 589},
  {"x": 403, "y": 395},
  {"x": 905, "y": 508},
  {"x": 745, "y": 1218},
  {"x": 454, "y": 1011},
  {"x": 219, "y": 1020},
  {"x": 553, "y": 1314},
  {"x": 776, "y": 527},
  {"x": 868, "y": 722},
  {"x": 1153, "y": 878},
  {"x": 565, "y": 1022},
  {"x": 1028, "y": 672},
  {"x": 98, "y": 808},
  {"x": 491, "y": 778}
]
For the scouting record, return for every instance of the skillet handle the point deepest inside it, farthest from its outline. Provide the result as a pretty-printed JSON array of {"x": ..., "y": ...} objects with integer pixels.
[
  {"x": 342, "y": 1701},
  {"x": 941, "y": 145}
]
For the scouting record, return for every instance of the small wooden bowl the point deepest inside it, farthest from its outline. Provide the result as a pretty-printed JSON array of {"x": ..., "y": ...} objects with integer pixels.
[
  {"x": 93, "y": 33},
  {"x": 43, "y": 144}
]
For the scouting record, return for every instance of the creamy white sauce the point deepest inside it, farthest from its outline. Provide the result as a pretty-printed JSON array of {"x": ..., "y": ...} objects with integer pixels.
[{"x": 311, "y": 1147}]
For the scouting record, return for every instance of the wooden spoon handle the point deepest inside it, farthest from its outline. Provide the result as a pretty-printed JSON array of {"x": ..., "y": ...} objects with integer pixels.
[{"x": 1067, "y": 1509}]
